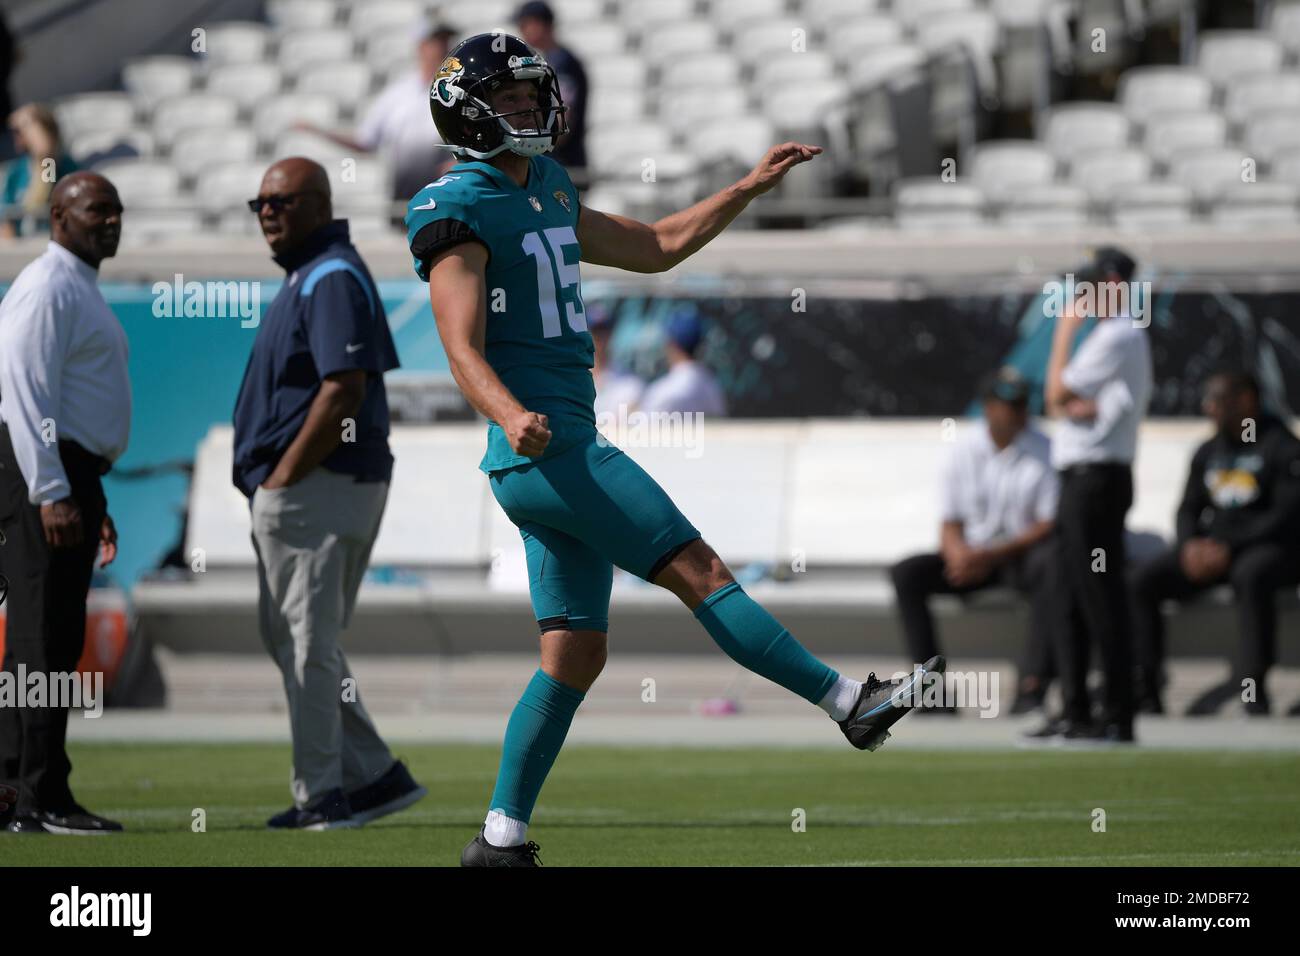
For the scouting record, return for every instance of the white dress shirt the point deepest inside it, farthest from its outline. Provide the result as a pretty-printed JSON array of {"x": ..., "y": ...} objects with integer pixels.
[
  {"x": 1113, "y": 368},
  {"x": 997, "y": 494},
  {"x": 63, "y": 371},
  {"x": 687, "y": 387}
]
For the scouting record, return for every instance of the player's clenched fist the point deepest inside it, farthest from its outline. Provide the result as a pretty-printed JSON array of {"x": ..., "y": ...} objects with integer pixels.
[
  {"x": 528, "y": 433},
  {"x": 778, "y": 161}
]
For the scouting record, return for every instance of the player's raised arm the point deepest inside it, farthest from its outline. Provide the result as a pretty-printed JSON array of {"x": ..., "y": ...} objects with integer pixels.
[
  {"x": 458, "y": 297},
  {"x": 624, "y": 243}
]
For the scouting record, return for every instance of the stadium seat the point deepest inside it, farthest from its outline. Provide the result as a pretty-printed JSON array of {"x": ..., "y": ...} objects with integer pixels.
[
  {"x": 916, "y": 13},
  {"x": 1147, "y": 90},
  {"x": 300, "y": 142},
  {"x": 1287, "y": 169},
  {"x": 1272, "y": 135},
  {"x": 396, "y": 15},
  {"x": 742, "y": 138},
  {"x": 277, "y": 114},
  {"x": 86, "y": 112},
  {"x": 389, "y": 53},
  {"x": 718, "y": 71},
  {"x": 1223, "y": 54},
  {"x": 802, "y": 106},
  {"x": 1022, "y": 13},
  {"x": 1071, "y": 127},
  {"x": 236, "y": 42},
  {"x": 92, "y": 142},
  {"x": 152, "y": 78},
  {"x": 1207, "y": 171},
  {"x": 975, "y": 31},
  {"x": 837, "y": 13},
  {"x": 1150, "y": 206},
  {"x": 620, "y": 149},
  {"x": 173, "y": 116},
  {"x": 606, "y": 106},
  {"x": 195, "y": 149},
  {"x": 753, "y": 41},
  {"x": 1100, "y": 171},
  {"x": 570, "y": 12},
  {"x": 665, "y": 42},
  {"x": 1048, "y": 206},
  {"x": 1001, "y": 167},
  {"x": 143, "y": 183},
  {"x": 302, "y": 14},
  {"x": 728, "y": 13},
  {"x": 246, "y": 83},
  {"x": 623, "y": 71},
  {"x": 638, "y": 14},
  {"x": 1168, "y": 134},
  {"x": 1256, "y": 205},
  {"x": 225, "y": 188},
  {"x": 1284, "y": 24},
  {"x": 773, "y": 71},
  {"x": 847, "y": 41},
  {"x": 309, "y": 47},
  {"x": 880, "y": 65},
  {"x": 695, "y": 108},
  {"x": 926, "y": 203},
  {"x": 597, "y": 39},
  {"x": 1252, "y": 93},
  {"x": 348, "y": 83}
]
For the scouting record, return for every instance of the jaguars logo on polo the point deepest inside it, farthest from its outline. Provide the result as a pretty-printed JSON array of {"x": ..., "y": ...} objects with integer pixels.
[
  {"x": 444, "y": 88},
  {"x": 563, "y": 199}
]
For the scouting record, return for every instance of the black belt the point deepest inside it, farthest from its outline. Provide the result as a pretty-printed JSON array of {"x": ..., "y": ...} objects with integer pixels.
[
  {"x": 70, "y": 453},
  {"x": 1097, "y": 467}
]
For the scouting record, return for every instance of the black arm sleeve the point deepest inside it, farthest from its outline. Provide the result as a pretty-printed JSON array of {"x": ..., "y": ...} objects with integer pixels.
[
  {"x": 442, "y": 234},
  {"x": 1195, "y": 500}
]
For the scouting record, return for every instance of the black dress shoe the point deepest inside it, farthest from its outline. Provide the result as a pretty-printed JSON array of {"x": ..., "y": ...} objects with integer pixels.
[
  {"x": 1057, "y": 727},
  {"x": 74, "y": 821},
  {"x": 330, "y": 811},
  {"x": 1104, "y": 732},
  {"x": 1211, "y": 701},
  {"x": 1027, "y": 702}
]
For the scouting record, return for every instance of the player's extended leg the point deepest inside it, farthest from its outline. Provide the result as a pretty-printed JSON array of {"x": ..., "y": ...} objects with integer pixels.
[
  {"x": 570, "y": 585},
  {"x": 756, "y": 640}
]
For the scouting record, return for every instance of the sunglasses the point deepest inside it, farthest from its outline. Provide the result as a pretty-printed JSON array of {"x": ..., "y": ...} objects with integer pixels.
[{"x": 277, "y": 203}]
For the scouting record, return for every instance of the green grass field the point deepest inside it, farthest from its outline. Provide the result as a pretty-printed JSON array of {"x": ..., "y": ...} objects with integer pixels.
[{"x": 613, "y": 806}]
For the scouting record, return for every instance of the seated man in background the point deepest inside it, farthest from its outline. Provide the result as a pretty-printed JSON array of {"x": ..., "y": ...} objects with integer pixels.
[
  {"x": 688, "y": 386},
  {"x": 1238, "y": 523},
  {"x": 998, "y": 495}
]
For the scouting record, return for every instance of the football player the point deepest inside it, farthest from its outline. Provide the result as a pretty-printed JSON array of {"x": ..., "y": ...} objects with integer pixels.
[{"x": 498, "y": 239}]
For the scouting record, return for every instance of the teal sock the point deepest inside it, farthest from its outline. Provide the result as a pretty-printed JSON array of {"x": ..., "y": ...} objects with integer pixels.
[
  {"x": 756, "y": 640},
  {"x": 534, "y": 736}
]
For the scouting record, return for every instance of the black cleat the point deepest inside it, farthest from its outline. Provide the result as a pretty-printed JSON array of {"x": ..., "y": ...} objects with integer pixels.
[
  {"x": 329, "y": 812},
  {"x": 881, "y": 704},
  {"x": 395, "y": 790},
  {"x": 480, "y": 852},
  {"x": 73, "y": 821}
]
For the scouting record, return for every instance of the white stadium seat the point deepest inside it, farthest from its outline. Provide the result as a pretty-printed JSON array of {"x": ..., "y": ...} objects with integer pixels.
[
  {"x": 639, "y": 13},
  {"x": 300, "y": 50},
  {"x": 143, "y": 183},
  {"x": 1287, "y": 169},
  {"x": 621, "y": 149},
  {"x": 87, "y": 112},
  {"x": 173, "y": 116},
  {"x": 1223, "y": 54},
  {"x": 1207, "y": 171},
  {"x": 1000, "y": 167},
  {"x": 742, "y": 138},
  {"x": 246, "y": 83},
  {"x": 1147, "y": 90},
  {"x": 152, "y": 78},
  {"x": 1054, "y": 206},
  {"x": 836, "y": 14},
  {"x": 236, "y": 42},
  {"x": 194, "y": 149},
  {"x": 847, "y": 41},
  {"x": 1256, "y": 205},
  {"x": 667, "y": 41},
  {"x": 277, "y": 114},
  {"x": 694, "y": 108},
  {"x": 619, "y": 71},
  {"x": 881, "y": 65},
  {"x": 976, "y": 30},
  {"x": 389, "y": 51},
  {"x": 754, "y": 40},
  {"x": 83, "y": 144},
  {"x": 144, "y": 226},
  {"x": 298, "y": 142},
  {"x": 1252, "y": 93},
  {"x": 1150, "y": 206},
  {"x": 801, "y": 106},
  {"x": 302, "y": 14},
  {"x": 915, "y": 13},
  {"x": 1100, "y": 171},
  {"x": 569, "y": 12},
  {"x": 597, "y": 39},
  {"x": 787, "y": 68},
  {"x": 1071, "y": 127},
  {"x": 1284, "y": 24},
  {"x": 226, "y": 187},
  {"x": 729, "y": 13},
  {"x": 1272, "y": 135},
  {"x": 706, "y": 72},
  {"x": 606, "y": 106},
  {"x": 349, "y": 83},
  {"x": 387, "y": 14},
  {"x": 927, "y": 202},
  {"x": 1169, "y": 134}
]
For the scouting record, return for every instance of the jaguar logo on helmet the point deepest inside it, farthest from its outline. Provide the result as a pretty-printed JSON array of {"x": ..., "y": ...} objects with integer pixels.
[{"x": 444, "y": 88}]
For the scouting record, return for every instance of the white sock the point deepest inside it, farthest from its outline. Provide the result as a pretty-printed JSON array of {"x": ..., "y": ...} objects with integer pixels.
[
  {"x": 839, "y": 700},
  {"x": 501, "y": 830}
]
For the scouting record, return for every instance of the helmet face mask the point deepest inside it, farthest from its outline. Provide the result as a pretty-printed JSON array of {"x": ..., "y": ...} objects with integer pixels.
[{"x": 460, "y": 99}]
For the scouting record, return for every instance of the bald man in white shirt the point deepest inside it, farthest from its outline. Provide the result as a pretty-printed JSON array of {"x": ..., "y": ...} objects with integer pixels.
[{"x": 65, "y": 414}]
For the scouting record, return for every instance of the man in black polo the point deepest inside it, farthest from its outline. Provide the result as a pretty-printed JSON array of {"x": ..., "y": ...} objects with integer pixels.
[
  {"x": 1100, "y": 396},
  {"x": 1238, "y": 524},
  {"x": 311, "y": 453}
]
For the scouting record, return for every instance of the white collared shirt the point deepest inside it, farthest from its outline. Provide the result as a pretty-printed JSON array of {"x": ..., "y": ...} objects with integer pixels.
[
  {"x": 1113, "y": 368},
  {"x": 998, "y": 494},
  {"x": 687, "y": 387},
  {"x": 63, "y": 370}
]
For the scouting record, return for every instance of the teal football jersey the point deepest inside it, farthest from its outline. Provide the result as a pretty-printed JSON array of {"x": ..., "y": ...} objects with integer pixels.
[{"x": 536, "y": 339}]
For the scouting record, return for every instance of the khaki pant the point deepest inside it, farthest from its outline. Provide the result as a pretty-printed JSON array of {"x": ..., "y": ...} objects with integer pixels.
[{"x": 313, "y": 542}]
